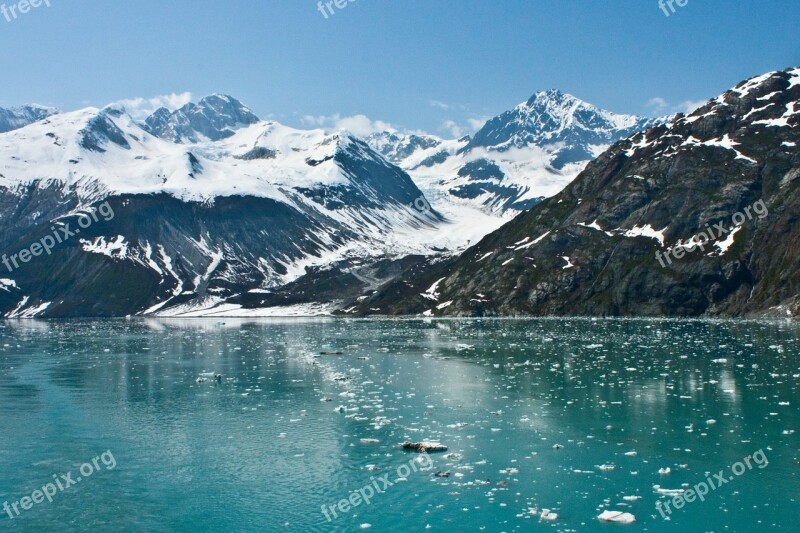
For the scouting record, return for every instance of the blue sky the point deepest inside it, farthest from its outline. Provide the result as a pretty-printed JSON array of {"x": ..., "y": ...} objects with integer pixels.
[{"x": 438, "y": 66}]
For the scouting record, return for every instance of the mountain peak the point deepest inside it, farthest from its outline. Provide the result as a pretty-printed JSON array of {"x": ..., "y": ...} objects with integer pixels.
[
  {"x": 551, "y": 95},
  {"x": 214, "y": 117},
  {"x": 551, "y": 117},
  {"x": 19, "y": 117}
]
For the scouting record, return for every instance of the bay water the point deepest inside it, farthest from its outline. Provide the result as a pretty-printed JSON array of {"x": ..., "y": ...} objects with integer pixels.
[{"x": 269, "y": 425}]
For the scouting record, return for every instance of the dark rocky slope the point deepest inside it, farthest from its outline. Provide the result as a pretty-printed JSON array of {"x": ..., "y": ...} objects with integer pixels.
[{"x": 592, "y": 249}]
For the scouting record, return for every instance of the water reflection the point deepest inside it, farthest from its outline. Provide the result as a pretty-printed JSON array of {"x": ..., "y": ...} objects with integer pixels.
[{"x": 282, "y": 433}]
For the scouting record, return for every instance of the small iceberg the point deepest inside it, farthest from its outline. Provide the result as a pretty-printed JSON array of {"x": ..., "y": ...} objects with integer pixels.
[
  {"x": 424, "y": 446},
  {"x": 668, "y": 492},
  {"x": 617, "y": 516}
]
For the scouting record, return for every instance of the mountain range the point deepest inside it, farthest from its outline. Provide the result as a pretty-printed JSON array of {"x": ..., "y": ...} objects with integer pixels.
[
  {"x": 517, "y": 158},
  {"x": 697, "y": 217},
  {"x": 219, "y": 213}
]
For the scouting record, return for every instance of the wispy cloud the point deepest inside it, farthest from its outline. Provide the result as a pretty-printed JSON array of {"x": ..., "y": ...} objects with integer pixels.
[
  {"x": 660, "y": 106},
  {"x": 457, "y": 130},
  {"x": 140, "y": 108},
  {"x": 438, "y": 104},
  {"x": 452, "y": 128},
  {"x": 360, "y": 125}
]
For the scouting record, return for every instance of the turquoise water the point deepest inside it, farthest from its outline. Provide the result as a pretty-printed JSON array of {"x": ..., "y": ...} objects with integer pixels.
[{"x": 281, "y": 435}]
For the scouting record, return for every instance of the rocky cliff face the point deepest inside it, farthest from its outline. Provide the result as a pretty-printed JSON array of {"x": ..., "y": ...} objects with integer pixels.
[{"x": 700, "y": 217}]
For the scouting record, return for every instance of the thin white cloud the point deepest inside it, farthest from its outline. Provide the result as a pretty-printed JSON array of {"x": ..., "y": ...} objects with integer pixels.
[
  {"x": 451, "y": 127},
  {"x": 140, "y": 108},
  {"x": 439, "y": 104},
  {"x": 456, "y": 130},
  {"x": 660, "y": 106},
  {"x": 360, "y": 125}
]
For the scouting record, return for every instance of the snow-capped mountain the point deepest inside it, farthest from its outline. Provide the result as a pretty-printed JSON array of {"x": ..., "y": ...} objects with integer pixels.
[
  {"x": 553, "y": 118},
  {"x": 18, "y": 117},
  {"x": 196, "y": 224},
  {"x": 516, "y": 159},
  {"x": 213, "y": 118},
  {"x": 695, "y": 217},
  {"x": 399, "y": 147},
  {"x": 216, "y": 211}
]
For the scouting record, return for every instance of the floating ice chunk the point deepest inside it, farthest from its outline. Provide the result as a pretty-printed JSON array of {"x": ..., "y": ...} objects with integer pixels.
[
  {"x": 667, "y": 492},
  {"x": 617, "y": 516},
  {"x": 548, "y": 515},
  {"x": 664, "y": 471},
  {"x": 424, "y": 446}
]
